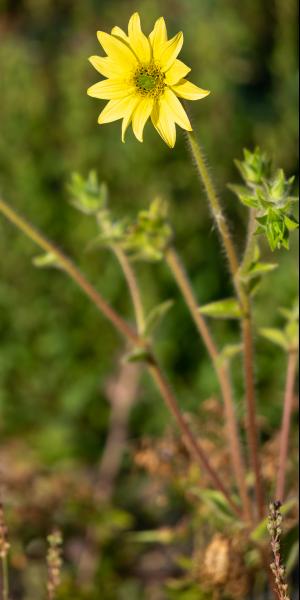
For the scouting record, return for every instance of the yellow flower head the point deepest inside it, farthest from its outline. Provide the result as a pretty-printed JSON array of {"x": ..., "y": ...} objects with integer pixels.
[{"x": 144, "y": 79}]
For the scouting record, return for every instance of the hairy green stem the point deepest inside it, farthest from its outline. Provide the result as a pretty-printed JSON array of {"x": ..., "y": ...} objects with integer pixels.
[
  {"x": 154, "y": 369},
  {"x": 217, "y": 212},
  {"x": 214, "y": 203},
  {"x": 286, "y": 423},
  {"x": 185, "y": 287}
]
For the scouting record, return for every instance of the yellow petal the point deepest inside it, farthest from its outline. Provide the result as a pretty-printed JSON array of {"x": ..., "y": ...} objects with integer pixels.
[
  {"x": 119, "y": 33},
  {"x": 137, "y": 39},
  {"x": 158, "y": 36},
  {"x": 176, "y": 110},
  {"x": 114, "y": 110},
  {"x": 110, "y": 89},
  {"x": 106, "y": 66},
  {"x": 168, "y": 52},
  {"x": 189, "y": 91},
  {"x": 163, "y": 123},
  {"x": 176, "y": 72},
  {"x": 140, "y": 116},
  {"x": 117, "y": 51},
  {"x": 133, "y": 101}
]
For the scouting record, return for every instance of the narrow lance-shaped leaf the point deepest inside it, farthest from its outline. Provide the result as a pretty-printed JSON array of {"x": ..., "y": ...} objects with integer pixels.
[
  {"x": 222, "y": 309},
  {"x": 46, "y": 260},
  {"x": 156, "y": 315},
  {"x": 276, "y": 336}
]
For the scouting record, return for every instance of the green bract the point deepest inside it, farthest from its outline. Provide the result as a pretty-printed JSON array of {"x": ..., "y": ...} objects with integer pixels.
[
  {"x": 269, "y": 194},
  {"x": 150, "y": 235},
  {"x": 87, "y": 195}
]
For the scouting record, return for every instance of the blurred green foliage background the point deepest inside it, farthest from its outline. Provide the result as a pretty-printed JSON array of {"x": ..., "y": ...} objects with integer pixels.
[{"x": 56, "y": 353}]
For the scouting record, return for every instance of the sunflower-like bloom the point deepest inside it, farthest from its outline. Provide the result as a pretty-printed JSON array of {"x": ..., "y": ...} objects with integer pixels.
[{"x": 144, "y": 79}]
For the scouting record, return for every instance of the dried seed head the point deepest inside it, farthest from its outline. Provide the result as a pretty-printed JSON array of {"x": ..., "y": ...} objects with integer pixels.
[{"x": 54, "y": 563}]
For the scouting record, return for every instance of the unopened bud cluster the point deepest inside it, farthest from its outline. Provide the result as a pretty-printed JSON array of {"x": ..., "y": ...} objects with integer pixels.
[
  {"x": 54, "y": 563},
  {"x": 274, "y": 528},
  {"x": 150, "y": 235},
  {"x": 269, "y": 193},
  {"x": 146, "y": 237}
]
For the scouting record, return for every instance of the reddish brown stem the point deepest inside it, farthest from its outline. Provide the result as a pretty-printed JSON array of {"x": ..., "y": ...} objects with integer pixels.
[
  {"x": 185, "y": 287},
  {"x": 286, "y": 423},
  {"x": 251, "y": 423},
  {"x": 192, "y": 445},
  {"x": 221, "y": 223},
  {"x": 121, "y": 326}
]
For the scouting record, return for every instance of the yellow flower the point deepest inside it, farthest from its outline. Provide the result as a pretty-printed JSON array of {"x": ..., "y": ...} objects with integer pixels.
[{"x": 144, "y": 79}]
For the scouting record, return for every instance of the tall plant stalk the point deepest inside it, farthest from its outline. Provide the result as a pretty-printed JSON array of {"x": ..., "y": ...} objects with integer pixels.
[
  {"x": 132, "y": 286},
  {"x": 286, "y": 423},
  {"x": 125, "y": 330},
  {"x": 244, "y": 301},
  {"x": 185, "y": 287}
]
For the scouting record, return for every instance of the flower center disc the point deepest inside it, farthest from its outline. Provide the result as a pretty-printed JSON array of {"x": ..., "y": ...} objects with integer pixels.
[
  {"x": 146, "y": 82},
  {"x": 149, "y": 80}
]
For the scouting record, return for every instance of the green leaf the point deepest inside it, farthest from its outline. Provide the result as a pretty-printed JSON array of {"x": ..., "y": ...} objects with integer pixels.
[
  {"x": 276, "y": 336},
  {"x": 216, "y": 500},
  {"x": 164, "y": 535},
  {"x": 259, "y": 268},
  {"x": 137, "y": 355},
  {"x": 46, "y": 260},
  {"x": 292, "y": 559},
  {"x": 156, "y": 315},
  {"x": 222, "y": 309},
  {"x": 291, "y": 223},
  {"x": 228, "y": 352},
  {"x": 244, "y": 195}
]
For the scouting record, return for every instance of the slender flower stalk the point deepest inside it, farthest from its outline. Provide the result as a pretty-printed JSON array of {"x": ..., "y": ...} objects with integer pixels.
[
  {"x": 217, "y": 212},
  {"x": 214, "y": 202},
  {"x": 153, "y": 367},
  {"x": 286, "y": 423},
  {"x": 251, "y": 421},
  {"x": 184, "y": 285},
  {"x": 133, "y": 287}
]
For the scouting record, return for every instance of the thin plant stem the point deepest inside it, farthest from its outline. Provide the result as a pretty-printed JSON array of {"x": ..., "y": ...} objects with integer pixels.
[
  {"x": 251, "y": 420},
  {"x": 214, "y": 202},
  {"x": 192, "y": 445},
  {"x": 133, "y": 287},
  {"x": 217, "y": 212},
  {"x": 153, "y": 367},
  {"x": 286, "y": 423},
  {"x": 69, "y": 267},
  {"x": 182, "y": 280}
]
